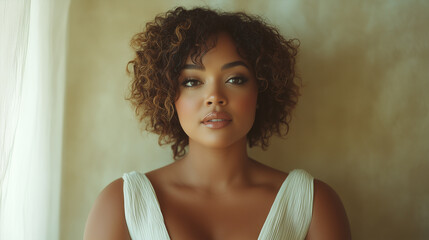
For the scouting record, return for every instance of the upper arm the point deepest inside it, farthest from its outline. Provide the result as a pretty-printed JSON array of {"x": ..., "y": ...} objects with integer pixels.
[
  {"x": 107, "y": 218},
  {"x": 329, "y": 219}
]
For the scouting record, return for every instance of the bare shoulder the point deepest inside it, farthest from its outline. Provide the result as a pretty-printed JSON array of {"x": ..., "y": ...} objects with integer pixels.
[
  {"x": 107, "y": 219},
  {"x": 266, "y": 172},
  {"x": 329, "y": 219}
]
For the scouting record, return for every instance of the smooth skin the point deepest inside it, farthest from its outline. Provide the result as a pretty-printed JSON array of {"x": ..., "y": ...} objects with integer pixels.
[{"x": 216, "y": 191}]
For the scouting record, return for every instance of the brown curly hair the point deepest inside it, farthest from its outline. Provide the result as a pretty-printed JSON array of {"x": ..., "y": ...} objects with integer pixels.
[{"x": 163, "y": 47}]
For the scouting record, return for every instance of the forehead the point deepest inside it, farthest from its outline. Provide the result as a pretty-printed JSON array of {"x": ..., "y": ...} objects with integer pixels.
[{"x": 224, "y": 50}]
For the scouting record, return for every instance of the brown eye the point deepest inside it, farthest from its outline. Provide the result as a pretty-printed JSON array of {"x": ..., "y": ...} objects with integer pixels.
[
  {"x": 237, "y": 80},
  {"x": 191, "y": 83}
]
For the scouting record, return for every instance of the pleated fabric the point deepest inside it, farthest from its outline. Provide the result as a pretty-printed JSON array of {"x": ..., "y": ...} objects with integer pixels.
[
  {"x": 289, "y": 216},
  {"x": 142, "y": 212},
  {"x": 291, "y": 212}
]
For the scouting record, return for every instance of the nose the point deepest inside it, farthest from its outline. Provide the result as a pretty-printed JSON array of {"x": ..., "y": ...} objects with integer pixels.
[
  {"x": 216, "y": 97},
  {"x": 215, "y": 101}
]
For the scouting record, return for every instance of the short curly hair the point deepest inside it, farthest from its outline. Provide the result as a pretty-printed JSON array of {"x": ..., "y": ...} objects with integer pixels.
[{"x": 161, "y": 52}]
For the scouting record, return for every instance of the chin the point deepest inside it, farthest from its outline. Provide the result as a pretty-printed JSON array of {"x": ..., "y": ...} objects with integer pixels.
[{"x": 219, "y": 143}]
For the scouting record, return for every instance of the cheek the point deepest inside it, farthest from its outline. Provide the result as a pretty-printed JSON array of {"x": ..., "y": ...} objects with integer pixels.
[
  {"x": 184, "y": 106},
  {"x": 246, "y": 104}
]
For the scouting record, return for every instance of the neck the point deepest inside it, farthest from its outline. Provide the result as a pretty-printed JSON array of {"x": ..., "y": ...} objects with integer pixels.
[{"x": 216, "y": 168}]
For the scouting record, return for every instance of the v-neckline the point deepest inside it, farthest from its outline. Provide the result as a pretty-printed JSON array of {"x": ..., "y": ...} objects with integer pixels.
[{"x": 272, "y": 208}]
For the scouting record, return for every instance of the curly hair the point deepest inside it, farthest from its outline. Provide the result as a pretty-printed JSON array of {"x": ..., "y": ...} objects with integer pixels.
[{"x": 161, "y": 52}]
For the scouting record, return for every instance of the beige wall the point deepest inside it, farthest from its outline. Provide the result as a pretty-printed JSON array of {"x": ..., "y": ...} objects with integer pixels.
[{"x": 362, "y": 124}]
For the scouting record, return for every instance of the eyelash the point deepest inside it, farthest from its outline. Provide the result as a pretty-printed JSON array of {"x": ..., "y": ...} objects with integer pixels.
[
  {"x": 242, "y": 80},
  {"x": 192, "y": 81}
]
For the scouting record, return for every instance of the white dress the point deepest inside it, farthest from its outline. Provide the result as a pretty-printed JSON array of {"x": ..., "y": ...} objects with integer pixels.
[{"x": 289, "y": 216}]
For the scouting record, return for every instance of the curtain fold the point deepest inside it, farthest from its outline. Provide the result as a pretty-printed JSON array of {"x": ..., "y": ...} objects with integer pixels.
[{"x": 32, "y": 80}]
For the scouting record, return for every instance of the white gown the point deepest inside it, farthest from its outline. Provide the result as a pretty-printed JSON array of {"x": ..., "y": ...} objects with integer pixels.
[{"x": 289, "y": 216}]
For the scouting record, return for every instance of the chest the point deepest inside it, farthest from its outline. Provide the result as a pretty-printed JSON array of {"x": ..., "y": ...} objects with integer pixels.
[{"x": 239, "y": 215}]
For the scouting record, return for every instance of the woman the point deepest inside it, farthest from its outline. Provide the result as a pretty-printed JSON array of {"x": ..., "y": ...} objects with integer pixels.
[{"x": 210, "y": 83}]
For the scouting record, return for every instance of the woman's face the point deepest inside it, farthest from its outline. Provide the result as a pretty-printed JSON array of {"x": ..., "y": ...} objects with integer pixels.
[{"x": 216, "y": 101}]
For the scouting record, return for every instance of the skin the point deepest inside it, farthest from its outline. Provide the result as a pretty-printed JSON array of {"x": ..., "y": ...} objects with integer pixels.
[{"x": 208, "y": 193}]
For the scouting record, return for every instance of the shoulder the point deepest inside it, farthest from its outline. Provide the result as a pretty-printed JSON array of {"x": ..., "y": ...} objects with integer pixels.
[
  {"x": 266, "y": 174},
  {"x": 329, "y": 219},
  {"x": 107, "y": 219}
]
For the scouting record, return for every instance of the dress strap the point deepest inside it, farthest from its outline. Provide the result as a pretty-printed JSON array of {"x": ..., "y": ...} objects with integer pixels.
[
  {"x": 290, "y": 215},
  {"x": 142, "y": 212}
]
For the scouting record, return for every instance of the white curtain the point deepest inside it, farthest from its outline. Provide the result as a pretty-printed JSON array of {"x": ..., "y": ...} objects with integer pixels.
[{"x": 32, "y": 80}]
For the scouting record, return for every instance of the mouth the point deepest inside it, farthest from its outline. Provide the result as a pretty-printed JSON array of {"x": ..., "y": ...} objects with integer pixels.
[
  {"x": 217, "y": 123},
  {"x": 216, "y": 120}
]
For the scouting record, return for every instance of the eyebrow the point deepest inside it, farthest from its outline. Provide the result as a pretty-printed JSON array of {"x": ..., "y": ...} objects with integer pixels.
[
  {"x": 226, "y": 66},
  {"x": 233, "y": 64}
]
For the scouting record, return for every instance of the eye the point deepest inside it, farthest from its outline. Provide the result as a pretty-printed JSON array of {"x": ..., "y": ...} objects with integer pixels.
[
  {"x": 237, "y": 80},
  {"x": 190, "y": 82}
]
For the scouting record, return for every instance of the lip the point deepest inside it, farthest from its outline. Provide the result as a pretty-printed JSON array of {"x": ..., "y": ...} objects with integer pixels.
[{"x": 222, "y": 120}]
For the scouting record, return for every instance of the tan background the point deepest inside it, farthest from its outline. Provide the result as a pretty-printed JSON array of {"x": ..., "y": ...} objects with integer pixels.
[{"x": 362, "y": 124}]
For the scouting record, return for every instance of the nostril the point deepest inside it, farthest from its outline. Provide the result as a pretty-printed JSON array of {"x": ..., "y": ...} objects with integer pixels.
[{"x": 211, "y": 102}]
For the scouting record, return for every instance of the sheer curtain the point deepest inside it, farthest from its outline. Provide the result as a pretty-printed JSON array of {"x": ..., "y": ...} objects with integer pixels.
[{"x": 32, "y": 79}]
